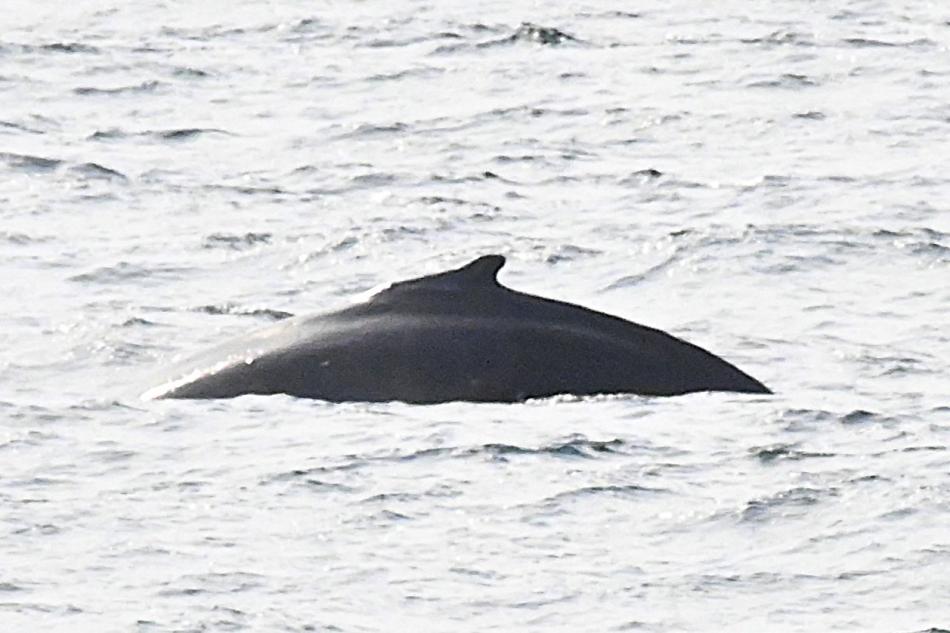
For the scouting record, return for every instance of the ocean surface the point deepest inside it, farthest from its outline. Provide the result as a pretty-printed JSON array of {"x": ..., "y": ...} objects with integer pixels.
[{"x": 768, "y": 180}]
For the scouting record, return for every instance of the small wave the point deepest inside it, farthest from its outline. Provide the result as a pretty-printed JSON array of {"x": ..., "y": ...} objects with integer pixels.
[
  {"x": 425, "y": 71},
  {"x": 861, "y": 42},
  {"x": 448, "y": 49},
  {"x": 523, "y": 158},
  {"x": 376, "y": 179},
  {"x": 532, "y": 111},
  {"x": 249, "y": 190},
  {"x": 39, "y": 165},
  {"x": 384, "y": 517},
  {"x": 930, "y": 248},
  {"x": 308, "y": 25},
  {"x": 232, "y": 309},
  {"x": 95, "y": 170},
  {"x": 9, "y": 587},
  {"x": 924, "y": 242},
  {"x": 785, "y": 81},
  {"x": 486, "y": 575},
  {"x": 319, "y": 485},
  {"x": 340, "y": 245},
  {"x": 440, "y": 200},
  {"x": 861, "y": 416},
  {"x": 628, "y": 490},
  {"x": 368, "y": 130},
  {"x": 786, "y": 502},
  {"x": 145, "y": 86},
  {"x": 387, "y": 497},
  {"x": 485, "y": 175},
  {"x": 184, "y": 591},
  {"x": 481, "y": 211},
  {"x": 577, "y": 447},
  {"x": 207, "y": 33},
  {"x": 395, "y": 233},
  {"x": 103, "y": 135},
  {"x": 29, "y": 163},
  {"x": 190, "y": 73},
  {"x": 46, "y": 529},
  {"x": 236, "y": 242},
  {"x": 19, "y": 127},
  {"x": 307, "y": 475},
  {"x": 20, "y": 239},
  {"x": 59, "y": 609},
  {"x": 812, "y": 115},
  {"x": 68, "y": 47},
  {"x": 888, "y": 365},
  {"x": 928, "y": 233},
  {"x": 534, "y": 34},
  {"x": 388, "y": 42},
  {"x": 54, "y": 47},
  {"x": 689, "y": 41},
  {"x": 125, "y": 271},
  {"x": 183, "y": 134},
  {"x": 124, "y": 354},
  {"x": 801, "y": 419},
  {"x": 344, "y": 244},
  {"x": 569, "y": 253},
  {"x": 781, "y": 452},
  {"x": 780, "y": 38},
  {"x": 223, "y": 624},
  {"x": 929, "y": 449},
  {"x": 138, "y": 321},
  {"x": 626, "y": 15},
  {"x": 649, "y": 274},
  {"x": 111, "y": 455},
  {"x": 641, "y": 176},
  {"x": 313, "y": 169}
]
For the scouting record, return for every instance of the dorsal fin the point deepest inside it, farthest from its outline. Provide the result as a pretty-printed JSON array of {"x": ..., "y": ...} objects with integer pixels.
[{"x": 479, "y": 273}]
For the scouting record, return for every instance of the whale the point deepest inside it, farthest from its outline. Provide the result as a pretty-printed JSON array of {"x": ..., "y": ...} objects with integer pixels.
[{"x": 457, "y": 335}]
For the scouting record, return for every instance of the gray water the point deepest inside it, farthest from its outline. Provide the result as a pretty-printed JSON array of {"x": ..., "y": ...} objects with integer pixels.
[{"x": 767, "y": 180}]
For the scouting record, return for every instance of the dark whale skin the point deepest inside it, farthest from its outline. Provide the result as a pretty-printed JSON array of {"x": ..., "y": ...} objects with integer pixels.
[{"x": 457, "y": 335}]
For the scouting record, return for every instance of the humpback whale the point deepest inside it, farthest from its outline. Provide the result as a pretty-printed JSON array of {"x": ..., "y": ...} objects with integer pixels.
[{"x": 455, "y": 335}]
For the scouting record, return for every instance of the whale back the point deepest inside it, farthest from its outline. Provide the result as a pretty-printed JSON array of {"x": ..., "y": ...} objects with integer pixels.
[{"x": 457, "y": 335}]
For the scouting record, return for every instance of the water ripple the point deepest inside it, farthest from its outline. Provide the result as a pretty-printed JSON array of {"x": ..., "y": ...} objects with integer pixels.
[
  {"x": 143, "y": 87},
  {"x": 235, "y": 309},
  {"x": 765, "y": 181},
  {"x": 27, "y": 163}
]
